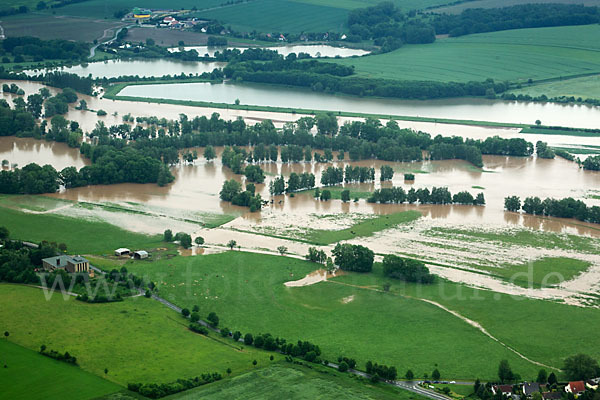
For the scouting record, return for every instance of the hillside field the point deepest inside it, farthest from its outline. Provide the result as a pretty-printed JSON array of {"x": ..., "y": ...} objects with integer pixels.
[
  {"x": 586, "y": 87},
  {"x": 247, "y": 291},
  {"x": 294, "y": 382},
  {"x": 137, "y": 340},
  {"x": 30, "y": 376},
  {"x": 516, "y": 55}
]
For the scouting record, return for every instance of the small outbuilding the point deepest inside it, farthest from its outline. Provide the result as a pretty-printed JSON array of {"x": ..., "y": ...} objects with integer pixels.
[
  {"x": 122, "y": 252},
  {"x": 140, "y": 254}
]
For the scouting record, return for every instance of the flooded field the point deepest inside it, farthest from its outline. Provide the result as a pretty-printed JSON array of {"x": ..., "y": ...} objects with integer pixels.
[
  {"x": 314, "y": 50},
  {"x": 579, "y": 116},
  {"x": 141, "y": 68},
  {"x": 22, "y": 151}
]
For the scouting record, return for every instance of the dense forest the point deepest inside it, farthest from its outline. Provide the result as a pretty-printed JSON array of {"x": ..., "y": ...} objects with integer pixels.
[{"x": 478, "y": 20}]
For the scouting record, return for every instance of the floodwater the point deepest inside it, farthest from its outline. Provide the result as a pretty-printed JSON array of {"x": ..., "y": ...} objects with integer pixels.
[
  {"x": 141, "y": 68},
  {"x": 87, "y": 120},
  {"x": 23, "y": 151},
  {"x": 314, "y": 50},
  {"x": 197, "y": 186},
  {"x": 468, "y": 109}
]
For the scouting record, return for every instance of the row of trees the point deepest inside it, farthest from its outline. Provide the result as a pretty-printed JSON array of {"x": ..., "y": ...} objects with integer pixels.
[
  {"x": 296, "y": 182},
  {"x": 158, "y": 390},
  {"x": 563, "y": 208},
  {"x": 477, "y": 20},
  {"x": 437, "y": 195}
]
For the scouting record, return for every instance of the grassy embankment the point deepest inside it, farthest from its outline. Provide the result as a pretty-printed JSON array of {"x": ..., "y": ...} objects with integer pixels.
[
  {"x": 297, "y": 383},
  {"x": 137, "y": 340},
  {"x": 30, "y": 376},
  {"x": 410, "y": 333}
]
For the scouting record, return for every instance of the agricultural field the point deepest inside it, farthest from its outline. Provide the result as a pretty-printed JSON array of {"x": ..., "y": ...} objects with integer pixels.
[
  {"x": 460, "y": 7},
  {"x": 30, "y": 376},
  {"x": 517, "y": 56},
  {"x": 295, "y": 382},
  {"x": 585, "y": 87},
  {"x": 236, "y": 285},
  {"x": 137, "y": 340},
  {"x": 57, "y": 27},
  {"x": 80, "y": 236}
]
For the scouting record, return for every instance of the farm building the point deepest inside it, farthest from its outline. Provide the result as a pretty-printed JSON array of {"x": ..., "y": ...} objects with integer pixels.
[
  {"x": 122, "y": 252},
  {"x": 140, "y": 254},
  {"x": 68, "y": 263},
  {"x": 141, "y": 14}
]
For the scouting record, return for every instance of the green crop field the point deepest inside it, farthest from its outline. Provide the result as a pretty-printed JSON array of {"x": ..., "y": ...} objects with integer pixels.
[
  {"x": 294, "y": 382},
  {"x": 80, "y": 235},
  {"x": 516, "y": 56},
  {"x": 248, "y": 293},
  {"x": 137, "y": 340},
  {"x": 545, "y": 272},
  {"x": 458, "y": 8},
  {"x": 521, "y": 323},
  {"x": 587, "y": 87},
  {"x": 30, "y": 376},
  {"x": 366, "y": 227}
]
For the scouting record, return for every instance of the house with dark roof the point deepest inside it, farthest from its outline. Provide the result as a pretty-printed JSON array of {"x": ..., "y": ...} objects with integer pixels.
[
  {"x": 529, "y": 388},
  {"x": 552, "y": 395},
  {"x": 68, "y": 263},
  {"x": 575, "y": 387}
]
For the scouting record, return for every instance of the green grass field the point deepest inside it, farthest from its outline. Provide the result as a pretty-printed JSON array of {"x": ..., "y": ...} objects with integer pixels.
[
  {"x": 565, "y": 132},
  {"x": 366, "y": 227},
  {"x": 458, "y": 8},
  {"x": 247, "y": 291},
  {"x": 294, "y": 382},
  {"x": 545, "y": 272},
  {"x": 587, "y": 87},
  {"x": 516, "y": 55},
  {"x": 80, "y": 235},
  {"x": 137, "y": 340},
  {"x": 29, "y": 376}
]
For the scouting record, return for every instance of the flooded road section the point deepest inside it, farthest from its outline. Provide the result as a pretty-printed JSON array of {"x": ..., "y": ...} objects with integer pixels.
[{"x": 141, "y": 68}]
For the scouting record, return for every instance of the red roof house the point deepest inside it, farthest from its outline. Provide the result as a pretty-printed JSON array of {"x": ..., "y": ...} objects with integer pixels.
[{"x": 575, "y": 387}]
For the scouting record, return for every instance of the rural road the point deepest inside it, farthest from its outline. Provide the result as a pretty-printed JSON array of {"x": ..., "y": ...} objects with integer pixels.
[{"x": 104, "y": 36}]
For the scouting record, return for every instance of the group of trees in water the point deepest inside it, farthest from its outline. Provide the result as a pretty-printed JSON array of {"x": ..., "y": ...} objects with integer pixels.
[
  {"x": 563, "y": 208},
  {"x": 437, "y": 195}
]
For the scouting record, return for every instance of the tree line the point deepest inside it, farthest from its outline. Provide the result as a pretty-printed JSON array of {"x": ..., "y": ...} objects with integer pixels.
[
  {"x": 42, "y": 50},
  {"x": 563, "y": 208},
  {"x": 478, "y": 20},
  {"x": 437, "y": 195}
]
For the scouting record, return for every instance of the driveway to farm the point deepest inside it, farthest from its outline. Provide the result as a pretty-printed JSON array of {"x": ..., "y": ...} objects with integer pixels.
[{"x": 106, "y": 34}]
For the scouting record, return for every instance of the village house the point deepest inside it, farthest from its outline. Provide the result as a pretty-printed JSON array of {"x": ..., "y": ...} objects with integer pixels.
[
  {"x": 505, "y": 390},
  {"x": 529, "y": 388},
  {"x": 552, "y": 395},
  {"x": 71, "y": 264},
  {"x": 575, "y": 387}
]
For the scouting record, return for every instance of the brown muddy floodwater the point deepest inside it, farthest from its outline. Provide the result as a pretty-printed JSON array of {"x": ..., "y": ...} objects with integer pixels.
[
  {"x": 22, "y": 151},
  {"x": 196, "y": 187}
]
